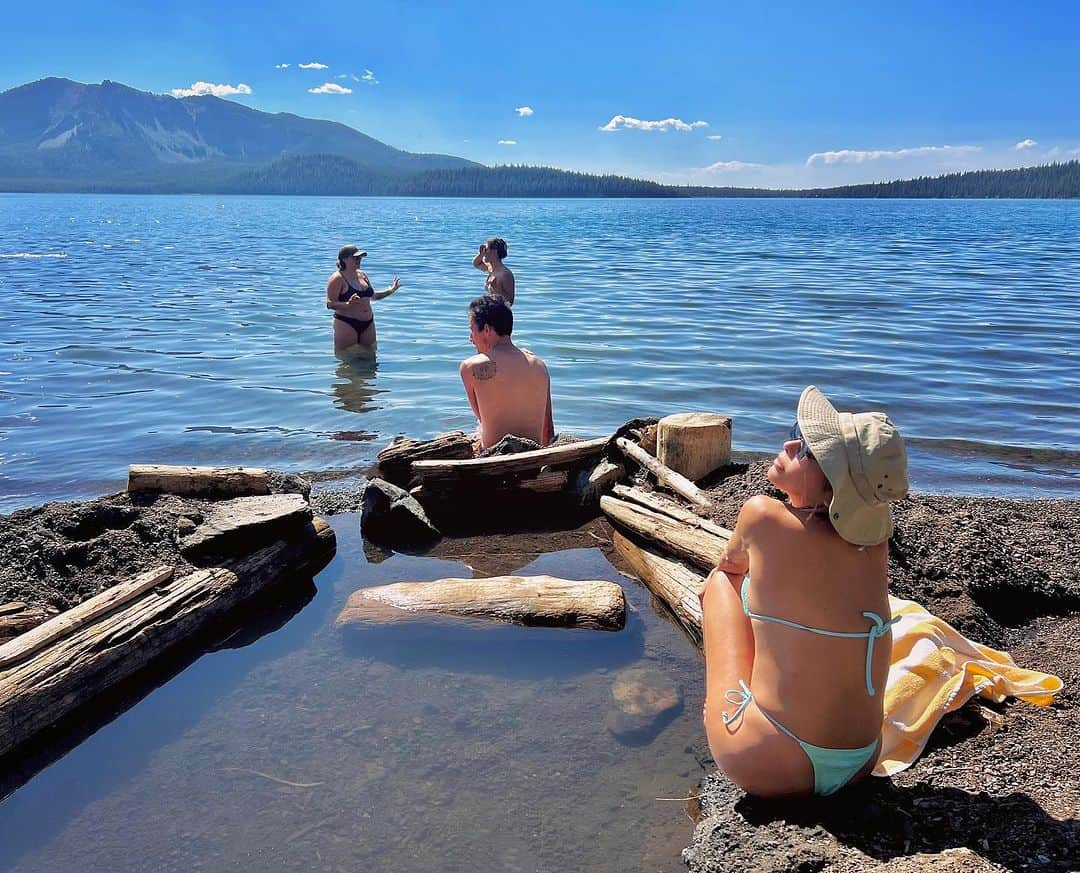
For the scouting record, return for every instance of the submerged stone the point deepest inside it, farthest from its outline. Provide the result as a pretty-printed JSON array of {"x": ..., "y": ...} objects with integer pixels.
[{"x": 645, "y": 701}]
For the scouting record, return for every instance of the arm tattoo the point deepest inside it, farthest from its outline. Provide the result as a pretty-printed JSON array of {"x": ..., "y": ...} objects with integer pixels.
[{"x": 483, "y": 371}]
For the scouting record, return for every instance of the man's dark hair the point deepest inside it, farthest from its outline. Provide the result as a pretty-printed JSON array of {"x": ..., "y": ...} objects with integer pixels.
[
  {"x": 499, "y": 245},
  {"x": 491, "y": 310}
]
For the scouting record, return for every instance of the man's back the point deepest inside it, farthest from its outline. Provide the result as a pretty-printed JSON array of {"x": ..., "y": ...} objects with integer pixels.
[{"x": 512, "y": 394}]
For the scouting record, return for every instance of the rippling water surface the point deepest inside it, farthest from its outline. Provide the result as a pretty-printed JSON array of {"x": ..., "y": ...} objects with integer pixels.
[{"x": 192, "y": 329}]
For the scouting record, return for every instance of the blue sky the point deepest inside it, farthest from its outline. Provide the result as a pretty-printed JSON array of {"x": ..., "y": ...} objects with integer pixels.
[{"x": 781, "y": 94}]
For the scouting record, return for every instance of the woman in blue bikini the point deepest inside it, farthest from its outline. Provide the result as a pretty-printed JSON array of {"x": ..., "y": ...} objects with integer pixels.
[
  {"x": 796, "y": 660},
  {"x": 349, "y": 295}
]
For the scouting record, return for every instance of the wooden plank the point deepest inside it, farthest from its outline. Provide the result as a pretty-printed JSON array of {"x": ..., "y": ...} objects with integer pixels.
[
  {"x": 509, "y": 465},
  {"x": 676, "y": 585},
  {"x": 663, "y": 505},
  {"x": 52, "y": 682},
  {"x": 665, "y": 476},
  {"x": 24, "y": 645},
  {"x": 541, "y": 601},
  {"x": 199, "y": 481},
  {"x": 700, "y": 547}
]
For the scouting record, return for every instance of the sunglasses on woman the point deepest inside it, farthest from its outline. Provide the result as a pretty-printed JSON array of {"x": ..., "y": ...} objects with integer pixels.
[{"x": 804, "y": 446}]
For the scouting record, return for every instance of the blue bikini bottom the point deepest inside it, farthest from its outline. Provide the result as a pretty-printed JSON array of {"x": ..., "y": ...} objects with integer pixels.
[{"x": 833, "y": 768}]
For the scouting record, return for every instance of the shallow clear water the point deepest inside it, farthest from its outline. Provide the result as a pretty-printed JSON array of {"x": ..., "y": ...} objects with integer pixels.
[
  {"x": 450, "y": 749},
  {"x": 192, "y": 329}
]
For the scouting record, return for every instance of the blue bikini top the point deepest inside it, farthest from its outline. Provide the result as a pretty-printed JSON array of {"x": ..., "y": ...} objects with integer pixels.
[{"x": 879, "y": 628}]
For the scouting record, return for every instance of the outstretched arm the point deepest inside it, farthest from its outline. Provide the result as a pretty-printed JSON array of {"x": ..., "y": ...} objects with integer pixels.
[{"x": 380, "y": 295}]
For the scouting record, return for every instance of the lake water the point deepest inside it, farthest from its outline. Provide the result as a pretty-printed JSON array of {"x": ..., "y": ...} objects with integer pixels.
[{"x": 192, "y": 330}]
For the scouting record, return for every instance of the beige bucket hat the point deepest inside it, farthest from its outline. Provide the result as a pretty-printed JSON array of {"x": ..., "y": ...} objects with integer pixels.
[{"x": 863, "y": 457}]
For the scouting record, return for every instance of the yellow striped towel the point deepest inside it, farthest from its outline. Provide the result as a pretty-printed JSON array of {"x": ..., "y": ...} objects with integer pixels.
[{"x": 935, "y": 670}]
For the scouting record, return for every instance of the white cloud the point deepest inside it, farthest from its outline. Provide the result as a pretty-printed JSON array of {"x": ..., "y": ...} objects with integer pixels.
[
  {"x": 731, "y": 167},
  {"x": 855, "y": 156},
  {"x": 507, "y": 142},
  {"x": 314, "y": 65},
  {"x": 625, "y": 122},
  {"x": 343, "y": 76},
  {"x": 330, "y": 88},
  {"x": 201, "y": 89},
  {"x": 281, "y": 66},
  {"x": 524, "y": 111},
  {"x": 715, "y": 137},
  {"x": 1025, "y": 144},
  {"x": 368, "y": 77}
]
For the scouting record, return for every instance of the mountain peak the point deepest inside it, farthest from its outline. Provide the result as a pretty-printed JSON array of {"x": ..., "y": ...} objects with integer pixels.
[{"x": 56, "y": 128}]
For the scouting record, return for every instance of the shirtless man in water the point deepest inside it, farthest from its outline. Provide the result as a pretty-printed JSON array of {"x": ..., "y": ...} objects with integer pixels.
[
  {"x": 500, "y": 281},
  {"x": 508, "y": 388}
]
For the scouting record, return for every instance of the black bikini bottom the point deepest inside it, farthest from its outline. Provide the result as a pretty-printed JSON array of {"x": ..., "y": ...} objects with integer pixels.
[{"x": 357, "y": 324}]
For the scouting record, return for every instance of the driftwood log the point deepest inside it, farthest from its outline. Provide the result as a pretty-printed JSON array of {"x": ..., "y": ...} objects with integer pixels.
[
  {"x": 665, "y": 506},
  {"x": 17, "y": 618},
  {"x": 44, "y": 684},
  {"x": 693, "y": 543},
  {"x": 395, "y": 461},
  {"x": 541, "y": 601},
  {"x": 210, "y": 482},
  {"x": 694, "y": 443},
  {"x": 665, "y": 476},
  {"x": 80, "y": 616},
  {"x": 676, "y": 585},
  {"x": 521, "y": 465}
]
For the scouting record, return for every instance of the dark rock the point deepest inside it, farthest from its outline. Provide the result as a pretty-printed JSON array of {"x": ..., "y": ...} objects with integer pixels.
[
  {"x": 244, "y": 524},
  {"x": 509, "y": 445},
  {"x": 391, "y": 516},
  {"x": 289, "y": 483}
]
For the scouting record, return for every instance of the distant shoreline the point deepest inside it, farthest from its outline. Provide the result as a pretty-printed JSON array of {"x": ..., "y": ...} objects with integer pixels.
[{"x": 323, "y": 175}]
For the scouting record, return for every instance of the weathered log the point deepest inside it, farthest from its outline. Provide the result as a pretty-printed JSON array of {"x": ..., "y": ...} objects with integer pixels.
[
  {"x": 18, "y": 618},
  {"x": 668, "y": 478},
  {"x": 665, "y": 506},
  {"x": 545, "y": 482},
  {"x": 79, "y": 616},
  {"x": 541, "y": 601},
  {"x": 676, "y": 585},
  {"x": 520, "y": 464},
  {"x": 599, "y": 480},
  {"x": 694, "y": 443},
  {"x": 209, "y": 482},
  {"x": 395, "y": 460},
  {"x": 243, "y": 524},
  {"x": 701, "y": 547},
  {"x": 52, "y": 682}
]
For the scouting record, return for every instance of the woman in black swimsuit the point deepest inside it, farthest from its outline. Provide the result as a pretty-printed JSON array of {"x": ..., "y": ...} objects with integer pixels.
[{"x": 349, "y": 295}]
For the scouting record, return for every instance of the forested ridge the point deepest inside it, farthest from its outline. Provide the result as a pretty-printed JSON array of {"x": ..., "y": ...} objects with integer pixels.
[{"x": 334, "y": 175}]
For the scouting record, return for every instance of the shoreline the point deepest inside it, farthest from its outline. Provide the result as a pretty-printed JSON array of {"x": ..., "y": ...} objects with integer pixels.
[{"x": 995, "y": 788}]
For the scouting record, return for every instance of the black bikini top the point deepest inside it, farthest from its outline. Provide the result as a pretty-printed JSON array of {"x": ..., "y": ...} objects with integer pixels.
[{"x": 349, "y": 291}]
